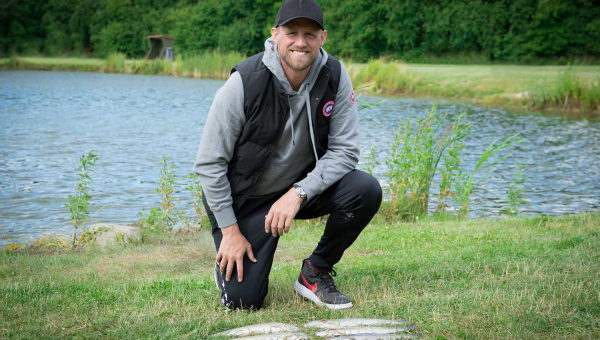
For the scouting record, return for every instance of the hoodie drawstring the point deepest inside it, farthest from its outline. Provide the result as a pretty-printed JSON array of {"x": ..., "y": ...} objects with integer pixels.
[
  {"x": 291, "y": 121},
  {"x": 309, "y": 112},
  {"x": 310, "y": 126}
]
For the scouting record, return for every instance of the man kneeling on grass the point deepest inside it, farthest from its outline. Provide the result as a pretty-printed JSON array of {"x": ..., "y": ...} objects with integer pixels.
[{"x": 281, "y": 143}]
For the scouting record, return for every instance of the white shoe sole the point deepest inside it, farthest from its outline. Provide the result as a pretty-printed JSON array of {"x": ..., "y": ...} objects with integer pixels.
[{"x": 307, "y": 293}]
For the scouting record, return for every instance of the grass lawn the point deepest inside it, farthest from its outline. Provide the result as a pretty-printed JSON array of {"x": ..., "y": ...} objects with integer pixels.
[
  {"x": 515, "y": 278},
  {"x": 500, "y": 79}
]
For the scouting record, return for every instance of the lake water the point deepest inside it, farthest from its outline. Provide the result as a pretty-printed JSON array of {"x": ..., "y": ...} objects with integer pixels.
[{"x": 49, "y": 119}]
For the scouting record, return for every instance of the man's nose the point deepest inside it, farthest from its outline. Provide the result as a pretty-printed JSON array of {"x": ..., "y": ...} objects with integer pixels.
[{"x": 300, "y": 42}]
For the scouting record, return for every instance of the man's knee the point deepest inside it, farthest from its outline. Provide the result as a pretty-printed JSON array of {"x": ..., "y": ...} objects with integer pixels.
[
  {"x": 366, "y": 188},
  {"x": 241, "y": 299}
]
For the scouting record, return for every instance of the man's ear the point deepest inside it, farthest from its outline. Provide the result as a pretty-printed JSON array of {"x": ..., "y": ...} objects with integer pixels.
[
  {"x": 323, "y": 37},
  {"x": 275, "y": 35}
]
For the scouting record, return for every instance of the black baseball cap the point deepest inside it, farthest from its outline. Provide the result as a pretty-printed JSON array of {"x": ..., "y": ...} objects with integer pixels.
[{"x": 295, "y": 9}]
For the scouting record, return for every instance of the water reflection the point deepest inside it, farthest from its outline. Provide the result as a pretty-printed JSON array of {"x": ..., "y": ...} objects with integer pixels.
[{"x": 49, "y": 119}]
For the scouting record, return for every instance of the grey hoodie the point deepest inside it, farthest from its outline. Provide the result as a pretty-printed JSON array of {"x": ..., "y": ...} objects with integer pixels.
[{"x": 296, "y": 147}]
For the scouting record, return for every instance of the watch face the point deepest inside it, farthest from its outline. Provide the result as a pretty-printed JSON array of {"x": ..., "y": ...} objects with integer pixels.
[{"x": 300, "y": 192}]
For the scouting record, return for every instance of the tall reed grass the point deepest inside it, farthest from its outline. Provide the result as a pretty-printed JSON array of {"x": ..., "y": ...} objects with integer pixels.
[
  {"x": 385, "y": 77},
  {"x": 418, "y": 147},
  {"x": 115, "y": 63},
  {"x": 567, "y": 92},
  {"x": 210, "y": 64},
  {"x": 154, "y": 67}
]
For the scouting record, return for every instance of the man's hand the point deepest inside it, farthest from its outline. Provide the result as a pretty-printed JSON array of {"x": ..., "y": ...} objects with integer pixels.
[
  {"x": 232, "y": 250},
  {"x": 280, "y": 216}
]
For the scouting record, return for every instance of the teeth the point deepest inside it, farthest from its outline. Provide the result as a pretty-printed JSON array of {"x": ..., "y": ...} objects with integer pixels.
[{"x": 299, "y": 53}]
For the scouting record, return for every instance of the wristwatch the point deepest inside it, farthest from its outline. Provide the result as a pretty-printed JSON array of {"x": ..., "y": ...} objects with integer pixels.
[{"x": 301, "y": 193}]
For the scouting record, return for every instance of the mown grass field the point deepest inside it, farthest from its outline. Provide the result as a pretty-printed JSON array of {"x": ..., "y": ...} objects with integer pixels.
[{"x": 514, "y": 278}]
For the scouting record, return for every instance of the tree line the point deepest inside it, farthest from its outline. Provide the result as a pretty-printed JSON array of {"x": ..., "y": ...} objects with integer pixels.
[{"x": 522, "y": 31}]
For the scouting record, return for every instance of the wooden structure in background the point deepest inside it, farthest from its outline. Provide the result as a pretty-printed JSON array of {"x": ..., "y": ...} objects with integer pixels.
[{"x": 161, "y": 47}]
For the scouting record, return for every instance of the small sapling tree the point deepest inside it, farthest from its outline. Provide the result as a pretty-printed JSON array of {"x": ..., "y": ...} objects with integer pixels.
[
  {"x": 195, "y": 189},
  {"x": 167, "y": 215},
  {"x": 515, "y": 192},
  {"x": 79, "y": 203}
]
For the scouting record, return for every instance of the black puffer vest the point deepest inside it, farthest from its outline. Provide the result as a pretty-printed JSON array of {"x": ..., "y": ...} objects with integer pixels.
[{"x": 266, "y": 107}]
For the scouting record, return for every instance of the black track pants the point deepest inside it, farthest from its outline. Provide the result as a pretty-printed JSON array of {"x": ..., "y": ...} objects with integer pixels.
[{"x": 351, "y": 202}]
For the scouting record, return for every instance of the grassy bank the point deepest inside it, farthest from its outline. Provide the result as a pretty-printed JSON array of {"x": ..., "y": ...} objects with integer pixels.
[
  {"x": 546, "y": 88},
  {"x": 212, "y": 65},
  {"x": 516, "y": 278},
  {"x": 550, "y": 88}
]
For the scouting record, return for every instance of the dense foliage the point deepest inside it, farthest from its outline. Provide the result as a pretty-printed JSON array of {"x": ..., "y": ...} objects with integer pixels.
[{"x": 474, "y": 30}]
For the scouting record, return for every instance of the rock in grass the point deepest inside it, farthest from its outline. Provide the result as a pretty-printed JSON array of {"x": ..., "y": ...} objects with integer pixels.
[{"x": 113, "y": 233}]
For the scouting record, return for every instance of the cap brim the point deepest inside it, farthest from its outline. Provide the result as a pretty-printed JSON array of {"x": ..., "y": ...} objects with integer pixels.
[{"x": 299, "y": 17}]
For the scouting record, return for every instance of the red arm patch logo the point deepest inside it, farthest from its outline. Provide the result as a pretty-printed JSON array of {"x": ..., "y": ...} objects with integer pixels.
[{"x": 328, "y": 108}]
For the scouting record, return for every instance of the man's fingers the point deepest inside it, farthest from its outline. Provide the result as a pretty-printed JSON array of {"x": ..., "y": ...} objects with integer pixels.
[
  {"x": 219, "y": 257},
  {"x": 240, "y": 269},
  {"x": 274, "y": 226},
  {"x": 223, "y": 265},
  {"x": 251, "y": 254},
  {"x": 288, "y": 223},
  {"x": 268, "y": 220},
  {"x": 230, "y": 265},
  {"x": 281, "y": 225}
]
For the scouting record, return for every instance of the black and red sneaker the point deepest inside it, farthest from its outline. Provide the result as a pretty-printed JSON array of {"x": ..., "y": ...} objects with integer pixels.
[{"x": 316, "y": 284}]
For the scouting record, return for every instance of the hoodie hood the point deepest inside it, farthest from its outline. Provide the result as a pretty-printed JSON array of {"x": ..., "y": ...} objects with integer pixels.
[{"x": 273, "y": 63}]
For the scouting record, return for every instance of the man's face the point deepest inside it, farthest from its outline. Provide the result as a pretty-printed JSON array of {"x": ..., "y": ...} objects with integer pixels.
[{"x": 298, "y": 42}]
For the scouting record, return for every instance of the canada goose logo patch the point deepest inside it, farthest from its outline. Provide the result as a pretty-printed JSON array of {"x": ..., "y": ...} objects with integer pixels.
[
  {"x": 328, "y": 108},
  {"x": 352, "y": 98}
]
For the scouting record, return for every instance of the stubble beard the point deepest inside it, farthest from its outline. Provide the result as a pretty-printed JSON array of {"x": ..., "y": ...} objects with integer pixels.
[{"x": 297, "y": 67}]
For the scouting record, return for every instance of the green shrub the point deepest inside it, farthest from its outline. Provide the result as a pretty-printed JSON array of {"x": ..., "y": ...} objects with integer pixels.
[{"x": 115, "y": 63}]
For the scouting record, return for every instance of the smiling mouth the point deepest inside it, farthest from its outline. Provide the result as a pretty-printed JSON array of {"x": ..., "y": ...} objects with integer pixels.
[{"x": 300, "y": 53}]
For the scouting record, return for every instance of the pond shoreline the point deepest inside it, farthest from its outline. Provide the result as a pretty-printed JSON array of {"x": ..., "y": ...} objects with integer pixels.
[{"x": 498, "y": 86}]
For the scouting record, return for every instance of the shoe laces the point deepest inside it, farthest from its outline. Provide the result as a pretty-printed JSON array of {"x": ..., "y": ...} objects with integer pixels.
[{"x": 327, "y": 276}]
